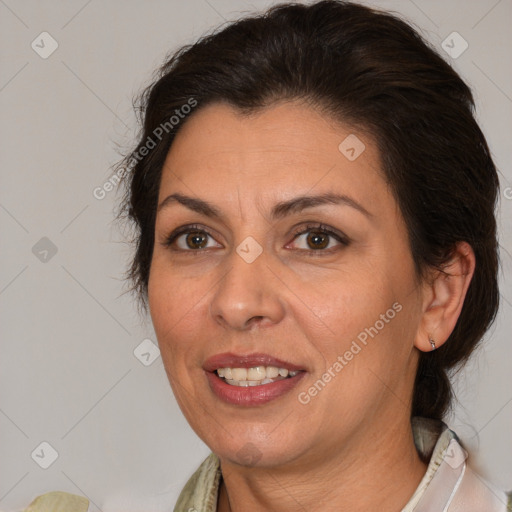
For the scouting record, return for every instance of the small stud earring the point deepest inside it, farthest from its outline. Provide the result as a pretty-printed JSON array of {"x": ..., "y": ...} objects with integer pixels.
[{"x": 432, "y": 342}]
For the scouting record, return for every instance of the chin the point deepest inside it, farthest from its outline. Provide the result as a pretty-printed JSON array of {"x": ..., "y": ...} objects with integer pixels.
[{"x": 249, "y": 451}]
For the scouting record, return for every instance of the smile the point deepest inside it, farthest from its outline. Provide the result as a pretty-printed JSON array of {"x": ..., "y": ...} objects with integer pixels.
[
  {"x": 255, "y": 376},
  {"x": 251, "y": 379}
]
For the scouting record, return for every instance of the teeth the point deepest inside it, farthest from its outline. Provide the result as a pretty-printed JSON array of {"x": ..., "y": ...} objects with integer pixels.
[
  {"x": 256, "y": 373},
  {"x": 255, "y": 376},
  {"x": 249, "y": 383},
  {"x": 272, "y": 372},
  {"x": 239, "y": 373}
]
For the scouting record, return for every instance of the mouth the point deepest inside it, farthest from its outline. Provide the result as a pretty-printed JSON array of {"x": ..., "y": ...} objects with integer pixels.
[
  {"x": 254, "y": 376},
  {"x": 252, "y": 379}
]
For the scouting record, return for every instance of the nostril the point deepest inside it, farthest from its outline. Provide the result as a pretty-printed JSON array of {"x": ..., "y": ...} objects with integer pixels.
[{"x": 255, "y": 321}]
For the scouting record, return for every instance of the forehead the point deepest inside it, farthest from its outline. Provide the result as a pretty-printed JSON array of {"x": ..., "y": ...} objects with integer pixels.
[{"x": 283, "y": 150}]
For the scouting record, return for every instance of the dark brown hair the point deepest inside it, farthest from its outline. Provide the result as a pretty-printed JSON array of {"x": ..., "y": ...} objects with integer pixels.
[{"x": 370, "y": 70}]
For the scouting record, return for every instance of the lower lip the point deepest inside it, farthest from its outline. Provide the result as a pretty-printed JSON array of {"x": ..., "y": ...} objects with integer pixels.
[{"x": 251, "y": 395}]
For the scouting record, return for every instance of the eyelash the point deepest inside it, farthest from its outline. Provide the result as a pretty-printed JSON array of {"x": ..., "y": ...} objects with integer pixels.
[{"x": 316, "y": 227}]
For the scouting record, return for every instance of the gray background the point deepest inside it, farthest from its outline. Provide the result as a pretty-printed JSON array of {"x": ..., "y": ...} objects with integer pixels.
[{"x": 69, "y": 375}]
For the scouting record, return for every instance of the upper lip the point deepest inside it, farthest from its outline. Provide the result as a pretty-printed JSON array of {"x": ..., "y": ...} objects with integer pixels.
[{"x": 230, "y": 360}]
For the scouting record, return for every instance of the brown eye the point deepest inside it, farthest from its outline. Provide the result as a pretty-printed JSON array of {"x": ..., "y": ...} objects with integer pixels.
[
  {"x": 196, "y": 240},
  {"x": 317, "y": 240},
  {"x": 192, "y": 239}
]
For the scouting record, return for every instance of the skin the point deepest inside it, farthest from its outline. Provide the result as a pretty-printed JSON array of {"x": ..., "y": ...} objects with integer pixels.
[{"x": 351, "y": 447}]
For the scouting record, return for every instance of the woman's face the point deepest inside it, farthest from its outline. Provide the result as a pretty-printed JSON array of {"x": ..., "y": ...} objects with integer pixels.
[{"x": 290, "y": 253}]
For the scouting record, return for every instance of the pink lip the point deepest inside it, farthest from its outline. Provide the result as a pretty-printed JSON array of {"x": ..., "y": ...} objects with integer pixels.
[
  {"x": 252, "y": 395},
  {"x": 230, "y": 360}
]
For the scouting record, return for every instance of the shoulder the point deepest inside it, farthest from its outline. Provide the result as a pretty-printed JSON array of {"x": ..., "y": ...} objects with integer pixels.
[
  {"x": 201, "y": 490},
  {"x": 58, "y": 501},
  {"x": 476, "y": 493},
  {"x": 450, "y": 482}
]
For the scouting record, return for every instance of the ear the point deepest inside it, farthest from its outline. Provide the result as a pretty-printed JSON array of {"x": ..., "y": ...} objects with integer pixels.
[{"x": 443, "y": 297}]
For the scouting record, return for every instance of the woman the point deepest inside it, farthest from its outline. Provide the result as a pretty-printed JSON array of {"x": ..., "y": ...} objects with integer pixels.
[{"x": 317, "y": 248}]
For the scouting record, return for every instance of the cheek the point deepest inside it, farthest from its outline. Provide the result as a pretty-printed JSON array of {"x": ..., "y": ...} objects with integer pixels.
[
  {"x": 177, "y": 306},
  {"x": 366, "y": 353},
  {"x": 370, "y": 314},
  {"x": 352, "y": 302}
]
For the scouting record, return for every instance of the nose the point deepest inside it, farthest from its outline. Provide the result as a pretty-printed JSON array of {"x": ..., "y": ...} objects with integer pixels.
[{"x": 248, "y": 295}]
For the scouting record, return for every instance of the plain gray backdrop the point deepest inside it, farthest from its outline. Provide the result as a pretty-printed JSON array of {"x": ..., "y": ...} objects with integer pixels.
[{"x": 70, "y": 375}]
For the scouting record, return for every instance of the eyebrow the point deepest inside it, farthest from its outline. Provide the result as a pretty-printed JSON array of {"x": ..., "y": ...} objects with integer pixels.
[{"x": 279, "y": 210}]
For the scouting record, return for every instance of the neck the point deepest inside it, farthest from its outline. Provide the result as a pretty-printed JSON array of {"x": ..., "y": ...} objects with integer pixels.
[{"x": 380, "y": 471}]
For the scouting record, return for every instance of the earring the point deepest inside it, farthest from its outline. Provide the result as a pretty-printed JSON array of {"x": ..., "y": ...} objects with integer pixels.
[{"x": 432, "y": 342}]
